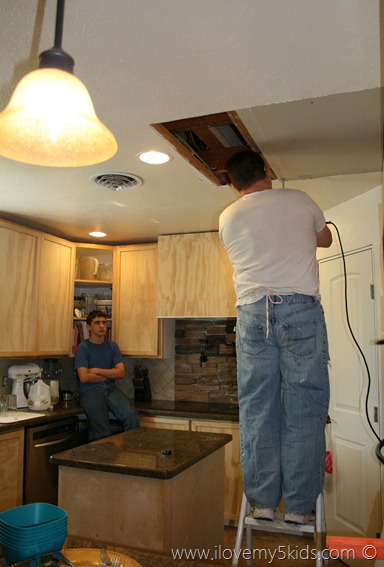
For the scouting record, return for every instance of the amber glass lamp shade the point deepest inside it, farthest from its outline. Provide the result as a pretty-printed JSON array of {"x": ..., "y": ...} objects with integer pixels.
[{"x": 50, "y": 121}]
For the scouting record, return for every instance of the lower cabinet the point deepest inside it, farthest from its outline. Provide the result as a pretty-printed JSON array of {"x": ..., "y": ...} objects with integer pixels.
[
  {"x": 164, "y": 423},
  {"x": 11, "y": 469},
  {"x": 233, "y": 483}
]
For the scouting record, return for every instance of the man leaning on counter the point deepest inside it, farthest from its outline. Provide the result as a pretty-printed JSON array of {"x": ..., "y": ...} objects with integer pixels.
[{"x": 99, "y": 365}]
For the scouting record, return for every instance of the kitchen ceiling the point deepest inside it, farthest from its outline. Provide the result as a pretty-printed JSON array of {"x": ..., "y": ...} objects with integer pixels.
[{"x": 304, "y": 77}]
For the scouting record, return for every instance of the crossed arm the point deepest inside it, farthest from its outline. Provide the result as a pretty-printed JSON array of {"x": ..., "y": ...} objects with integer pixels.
[{"x": 93, "y": 375}]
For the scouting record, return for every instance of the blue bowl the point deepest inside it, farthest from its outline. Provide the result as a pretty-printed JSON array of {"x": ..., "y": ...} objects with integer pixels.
[
  {"x": 26, "y": 538},
  {"x": 32, "y": 516},
  {"x": 32, "y": 529},
  {"x": 15, "y": 553}
]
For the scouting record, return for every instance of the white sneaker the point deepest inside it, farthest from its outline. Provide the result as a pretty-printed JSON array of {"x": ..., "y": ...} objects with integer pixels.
[
  {"x": 263, "y": 514},
  {"x": 298, "y": 518}
]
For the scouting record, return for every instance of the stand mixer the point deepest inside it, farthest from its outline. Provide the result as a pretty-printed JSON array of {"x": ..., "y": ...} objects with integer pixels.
[{"x": 20, "y": 374}]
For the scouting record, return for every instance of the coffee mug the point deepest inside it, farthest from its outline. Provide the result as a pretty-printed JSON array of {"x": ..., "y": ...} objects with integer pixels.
[{"x": 88, "y": 266}]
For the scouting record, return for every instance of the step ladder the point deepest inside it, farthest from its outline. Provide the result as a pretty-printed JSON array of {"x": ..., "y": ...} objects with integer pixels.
[{"x": 317, "y": 528}]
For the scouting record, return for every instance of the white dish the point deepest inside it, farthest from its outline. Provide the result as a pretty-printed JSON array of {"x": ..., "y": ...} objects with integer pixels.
[{"x": 78, "y": 313}]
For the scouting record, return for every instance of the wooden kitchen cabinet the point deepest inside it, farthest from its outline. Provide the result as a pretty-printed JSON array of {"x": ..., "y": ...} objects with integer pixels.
[
  {"x": 195, "y": 277},
  {"x": 137, "y": 330},
  {"x": 55, "y": 296},
  {"x": 165, "y": 423},
  {"x": 233, "y": 483},
  {"x": 19, "y": 268},
  {"x": 35, "y": 291},
  {"x": 11, "y": 469}
]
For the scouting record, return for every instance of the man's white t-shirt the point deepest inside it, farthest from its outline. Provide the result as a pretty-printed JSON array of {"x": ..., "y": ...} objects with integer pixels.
[{"x": 270, "y": 238}]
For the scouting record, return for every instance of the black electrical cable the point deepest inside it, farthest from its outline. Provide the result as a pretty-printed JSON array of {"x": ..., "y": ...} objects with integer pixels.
[{"x": 381, "y": 441}]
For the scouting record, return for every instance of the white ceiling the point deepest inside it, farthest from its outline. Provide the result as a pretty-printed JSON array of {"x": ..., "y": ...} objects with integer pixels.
[{"x": 304, "y": 75}]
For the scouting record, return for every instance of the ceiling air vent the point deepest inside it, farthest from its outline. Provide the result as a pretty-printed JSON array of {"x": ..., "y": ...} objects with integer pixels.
[
  {"x": 116, "y": 181},
  {"x": 207, "y": 142}
]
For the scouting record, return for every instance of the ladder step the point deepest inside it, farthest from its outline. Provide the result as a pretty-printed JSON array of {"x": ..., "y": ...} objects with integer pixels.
[{"x": 278, "y": 525}]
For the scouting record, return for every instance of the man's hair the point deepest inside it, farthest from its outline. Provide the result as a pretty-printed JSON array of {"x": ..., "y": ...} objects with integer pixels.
[
  {"x": 93, "y": 314},
  {"x": 245, "y": 168}
]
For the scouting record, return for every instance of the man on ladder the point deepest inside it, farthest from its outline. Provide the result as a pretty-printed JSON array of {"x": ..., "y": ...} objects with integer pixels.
[{"x": 271, "y": 238}]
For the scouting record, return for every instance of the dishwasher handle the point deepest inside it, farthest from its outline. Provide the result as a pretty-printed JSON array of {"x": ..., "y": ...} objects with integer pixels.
[{"x": 54, "y": 442}]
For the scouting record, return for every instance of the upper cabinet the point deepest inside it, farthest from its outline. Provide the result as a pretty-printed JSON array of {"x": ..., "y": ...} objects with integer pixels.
[
  {"x": 36, "y": 290},
  {"x": 195, "y": 277},
  {"x": 55, "y": 296},
  {"x": 136, "y": 328},
  {"x": 19, "y": 265}
]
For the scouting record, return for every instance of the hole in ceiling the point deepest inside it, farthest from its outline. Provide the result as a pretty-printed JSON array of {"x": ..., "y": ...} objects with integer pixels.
[
  {"x": 207, "y": 142},
  {"x": 116, "y": 181}
]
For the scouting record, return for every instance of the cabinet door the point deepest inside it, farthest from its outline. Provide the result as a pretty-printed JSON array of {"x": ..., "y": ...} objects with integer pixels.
[
  {"x": 19, "y": 254},
  {"x": 11, "y": 469},
  {"x": 136, "y": 328},
  {"x": 54, "y": 328},
  {"x": 233, "y": 483},
  {"x": 195, "y": 277},
  {"x": 164, "y": 423}
]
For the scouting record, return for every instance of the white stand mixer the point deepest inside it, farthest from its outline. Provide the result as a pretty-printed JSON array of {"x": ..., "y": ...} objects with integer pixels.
[{"x": 20, "y": 374}]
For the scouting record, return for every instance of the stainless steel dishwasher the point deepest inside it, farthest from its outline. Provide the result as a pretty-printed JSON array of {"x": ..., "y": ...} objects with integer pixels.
[{"x": 42, "y": 441}]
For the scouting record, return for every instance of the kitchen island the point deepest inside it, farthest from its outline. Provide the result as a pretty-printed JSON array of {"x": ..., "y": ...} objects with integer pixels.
[{"x": 150, "y": 489}]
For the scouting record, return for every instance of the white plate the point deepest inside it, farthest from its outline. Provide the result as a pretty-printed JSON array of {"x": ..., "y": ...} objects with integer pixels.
[{"x": 78, "y": 313}]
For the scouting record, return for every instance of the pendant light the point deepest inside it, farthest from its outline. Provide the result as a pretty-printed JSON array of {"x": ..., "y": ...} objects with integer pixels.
[{"x": 50, "y": 119}]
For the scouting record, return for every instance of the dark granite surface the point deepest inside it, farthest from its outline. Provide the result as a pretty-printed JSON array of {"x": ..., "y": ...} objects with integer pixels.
[
  {"x": 59, "y": 411},
  {"x": 187, "y": 410},
  {"x": 192, "y": 410},
  {"x": 155, "y": 453}
]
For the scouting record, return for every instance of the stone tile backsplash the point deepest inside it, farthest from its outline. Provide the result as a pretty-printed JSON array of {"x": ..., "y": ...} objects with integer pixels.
[{"x": 205, "y": 361}]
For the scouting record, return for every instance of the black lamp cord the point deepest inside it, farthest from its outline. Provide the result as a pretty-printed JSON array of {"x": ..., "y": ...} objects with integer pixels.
[
  {"x": 55, "y": 57},
  {"x": 59, "y": 23},
  {"x": 381, "y": 441}
]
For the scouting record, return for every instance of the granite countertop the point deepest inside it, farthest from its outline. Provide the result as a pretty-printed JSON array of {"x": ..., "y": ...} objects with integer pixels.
[
  {"x": 193, "y": 410},
  {"x": 155, "y": 453},
  {"x": 155, "y": 408},
  {"x": 59, "y": 411}
]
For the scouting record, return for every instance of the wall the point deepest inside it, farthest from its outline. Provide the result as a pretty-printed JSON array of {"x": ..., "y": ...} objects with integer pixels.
[{"x": 205, "y": 361}]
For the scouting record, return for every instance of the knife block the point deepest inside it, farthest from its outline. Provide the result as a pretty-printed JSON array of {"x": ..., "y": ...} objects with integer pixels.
[{"x": 142, "y": 389}]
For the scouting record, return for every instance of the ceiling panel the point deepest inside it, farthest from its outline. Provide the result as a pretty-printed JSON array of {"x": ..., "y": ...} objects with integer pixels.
[{"x": 334, "y": 135}]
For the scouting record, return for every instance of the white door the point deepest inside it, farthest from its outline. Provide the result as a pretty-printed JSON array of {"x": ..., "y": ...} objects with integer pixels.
[{"x": 352, "y": 491}]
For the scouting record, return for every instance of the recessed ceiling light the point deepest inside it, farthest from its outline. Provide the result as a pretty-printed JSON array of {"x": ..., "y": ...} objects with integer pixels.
[
  {"x": 98, "y": 234},
  {"x": 155, "y": 158}
]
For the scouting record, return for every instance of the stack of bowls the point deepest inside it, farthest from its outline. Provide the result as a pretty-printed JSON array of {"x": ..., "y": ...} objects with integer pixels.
[{"x": 32, "y": 529}]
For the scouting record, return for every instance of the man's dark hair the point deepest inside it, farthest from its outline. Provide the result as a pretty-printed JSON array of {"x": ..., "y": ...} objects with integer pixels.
[
  {"x": 245, "y": 168},
  {"x": 93, "y": 314}
]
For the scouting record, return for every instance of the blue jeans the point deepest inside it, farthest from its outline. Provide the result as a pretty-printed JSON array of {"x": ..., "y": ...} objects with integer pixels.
[
  {"x": 283, "y": 400},
  {"x": 98, "y": 402}
]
